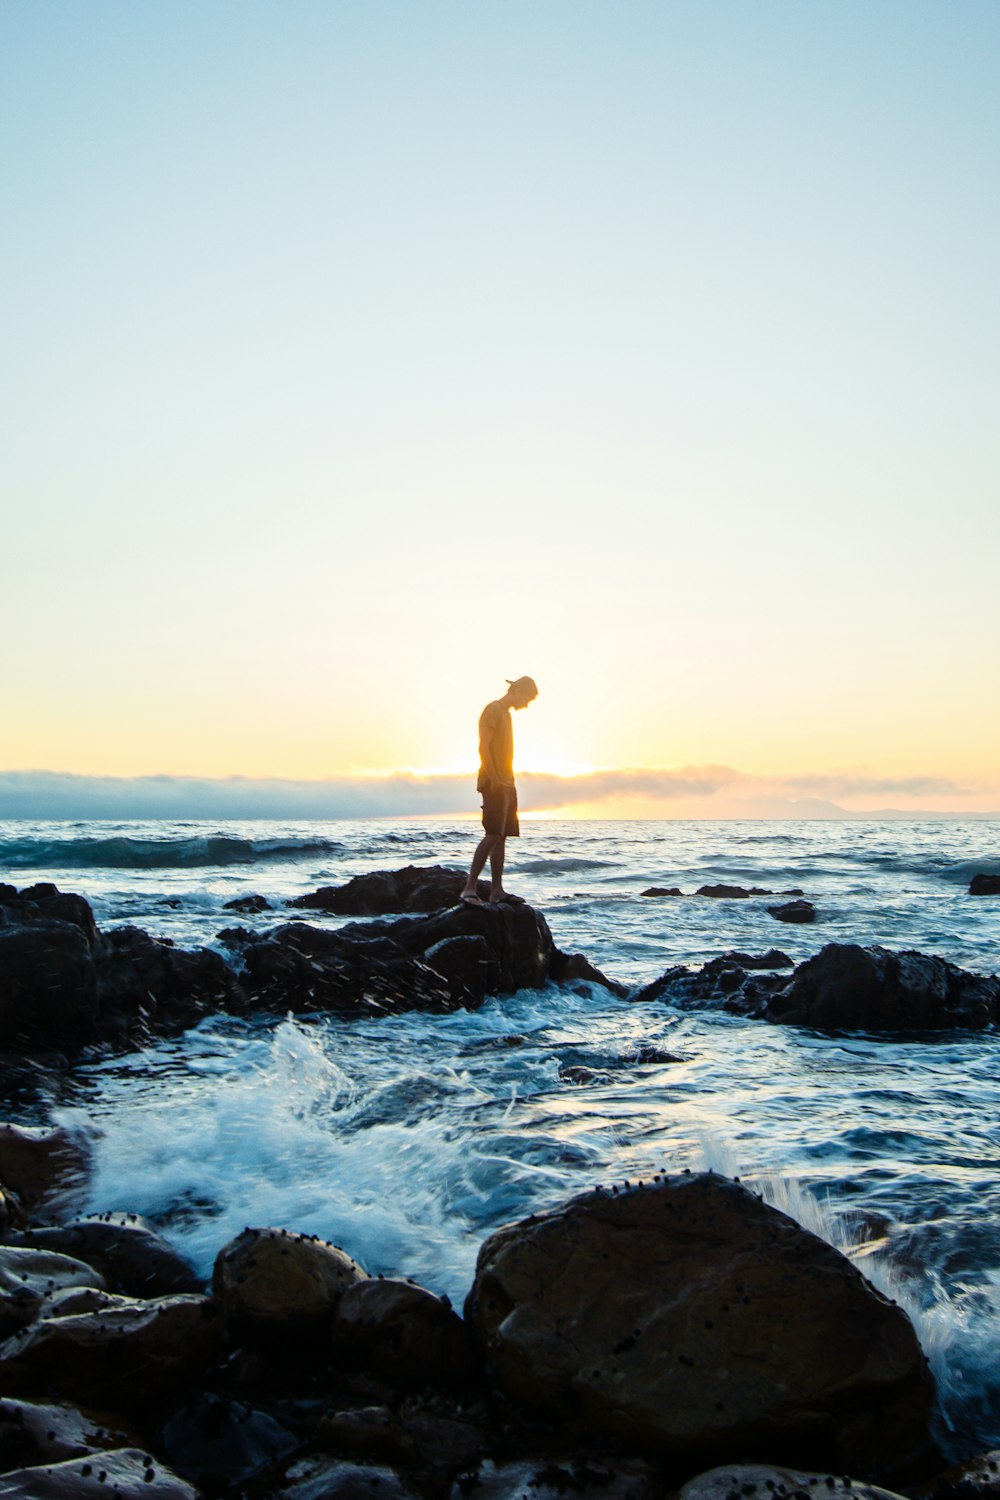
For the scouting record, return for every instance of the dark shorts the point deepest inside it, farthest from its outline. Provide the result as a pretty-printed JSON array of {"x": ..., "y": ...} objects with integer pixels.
[{"x": 500, "y": 812}]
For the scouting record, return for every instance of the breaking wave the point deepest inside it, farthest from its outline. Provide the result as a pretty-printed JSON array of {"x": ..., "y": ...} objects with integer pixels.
[{"x": 124, "y": 853}]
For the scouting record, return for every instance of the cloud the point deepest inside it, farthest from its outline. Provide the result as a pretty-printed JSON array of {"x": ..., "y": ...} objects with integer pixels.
[{"x": 711, "y": 791}]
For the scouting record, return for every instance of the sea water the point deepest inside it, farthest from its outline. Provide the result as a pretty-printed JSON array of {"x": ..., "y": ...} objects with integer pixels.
[{"x": 408, "y": 1139}]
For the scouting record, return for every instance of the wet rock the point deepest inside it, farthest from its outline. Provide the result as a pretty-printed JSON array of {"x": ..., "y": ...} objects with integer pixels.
[
  {"x": 725, "y": 892},
  {"x": 794, "y": 911},
  {"x": 772, "y": 959},
  {"x": 303, "y": 968},
  {"x": 466, "y": 963},
  {"x": 388, "y": 892},
  {"x": 72, "y": 1300},
  {"x": 321, "y": 1477},
  {"x": 251, "y": 905},
  {"x": 721, "y": 984},
  {"x": 579, "y": 1074},
  {"x": 28, "y": 1276},
  {"x": 369, "y": 1434},
  {"x": 846, "y": 987},
  {"x": 130, "y": 1254},
  {"x": 45, "y": 1168},
  {"x": 124, "y": 1358},
  {"x": 146, "y": 982},
  {"x": 442, "y": 1441},
  {"x": 404, "y": 1333},
  {"x": 650, "y": 1056},
  {"x": 273, "y": 1282},
  {"x": 568, "y": 967},
  {"x": 214, "y": 1441},
  {"x": 518, "y": 939},
  {"x": 12, "y": 1214},
  {"x": 34, "y": 1433},
  {"x": 557, "y": 1478},
  {"x": 661, "y": 890},
  {"x": 767, "y": 1481},
  {"x": 975, "y": 1479},
  {"x": 662, "y": 988},
  {"x": 43, "y": 903},
  {"x": 984, "y": 885},
  {"x": 48, "y": 986},
  {"x": 687, "y": 1318},
  {"x": 122, "y": 1473}
]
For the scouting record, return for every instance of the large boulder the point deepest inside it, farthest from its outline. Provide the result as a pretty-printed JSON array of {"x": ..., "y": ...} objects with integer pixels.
[
  {"x": 385, "y": 892},
  {"x": 984, "y": 885},
  {"x": 122, "y": 1358},
  {"x": 271, "y": 1282},
  {"x": 846, "y": 987},
  {"x": 687, "y": 1319},
  {"x": 131, "y": 1255}
]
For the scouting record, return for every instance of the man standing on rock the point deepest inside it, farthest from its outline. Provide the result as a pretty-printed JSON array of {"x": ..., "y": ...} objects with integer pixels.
[{"x": 496, "y": 784}]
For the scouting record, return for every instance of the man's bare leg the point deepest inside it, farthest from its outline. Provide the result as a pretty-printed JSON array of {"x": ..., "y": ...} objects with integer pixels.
[
  {"x": 485, "y": 850},
  {"x": 497, "y": 891}
]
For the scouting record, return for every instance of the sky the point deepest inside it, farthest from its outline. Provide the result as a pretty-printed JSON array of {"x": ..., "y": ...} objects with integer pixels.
[{"x": 358, "y": 355}]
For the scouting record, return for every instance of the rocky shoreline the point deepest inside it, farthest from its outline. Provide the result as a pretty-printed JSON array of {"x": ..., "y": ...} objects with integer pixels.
[{"x": 626, "y": 1344}]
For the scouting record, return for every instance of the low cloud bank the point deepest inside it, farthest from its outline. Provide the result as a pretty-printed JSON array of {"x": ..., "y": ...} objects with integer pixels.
[{"x": 697, "y": 791}]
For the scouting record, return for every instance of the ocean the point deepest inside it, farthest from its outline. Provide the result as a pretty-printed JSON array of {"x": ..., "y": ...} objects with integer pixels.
[{"x": 408, "y": 1139}]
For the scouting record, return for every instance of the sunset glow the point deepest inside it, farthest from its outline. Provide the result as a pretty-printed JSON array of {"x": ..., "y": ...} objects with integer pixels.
[{"x": 360, "y": 357}]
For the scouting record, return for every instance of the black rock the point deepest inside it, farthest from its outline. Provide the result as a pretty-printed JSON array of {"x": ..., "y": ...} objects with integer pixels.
[
  {"x": 250, "y": 905},
  {"x": 794, "y": 911},
  {"x": 48, "y": 986},
  {"x": 662, "y": 890},
  {"x": 984, "y": 885},
  {"x": 145, "y": 982},
  {"x": 772, "y": 959},
  {"x": 388, "y": 892},
  {"x": 846, "y": 987}
]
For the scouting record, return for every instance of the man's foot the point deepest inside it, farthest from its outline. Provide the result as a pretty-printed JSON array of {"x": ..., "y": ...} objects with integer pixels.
[
  {"x": 469, "y": 898},
  {"x": 505, "y": 898}
]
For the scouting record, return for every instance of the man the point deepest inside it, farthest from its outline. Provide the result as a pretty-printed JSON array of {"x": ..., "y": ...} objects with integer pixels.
[{"x": 496, "y": 783}]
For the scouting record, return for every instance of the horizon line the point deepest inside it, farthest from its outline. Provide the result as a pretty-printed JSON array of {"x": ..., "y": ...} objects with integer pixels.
[{"x": 713, "y": 793}]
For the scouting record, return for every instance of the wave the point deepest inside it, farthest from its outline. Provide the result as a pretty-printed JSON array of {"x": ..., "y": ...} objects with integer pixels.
[
  {"x": 565, "y": 866},
  {"x": 122, "y": 853}
]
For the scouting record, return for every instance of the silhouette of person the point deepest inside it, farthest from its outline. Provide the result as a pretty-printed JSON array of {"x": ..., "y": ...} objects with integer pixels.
[{"x": 496, "y": 784}]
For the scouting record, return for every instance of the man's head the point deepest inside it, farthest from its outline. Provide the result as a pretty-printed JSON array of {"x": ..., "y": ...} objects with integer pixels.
[{"x": 521, "y": 691}]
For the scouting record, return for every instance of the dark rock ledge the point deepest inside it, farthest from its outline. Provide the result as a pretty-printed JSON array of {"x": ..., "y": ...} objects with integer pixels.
[
  {"x": 844, "y": 987},
  {"x": 65, "y": 985},
  {"x": 613, "y": 1348}
]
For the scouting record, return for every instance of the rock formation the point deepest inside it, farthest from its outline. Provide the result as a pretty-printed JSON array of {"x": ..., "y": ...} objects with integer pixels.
[{"x": 685, "y": 1317}]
